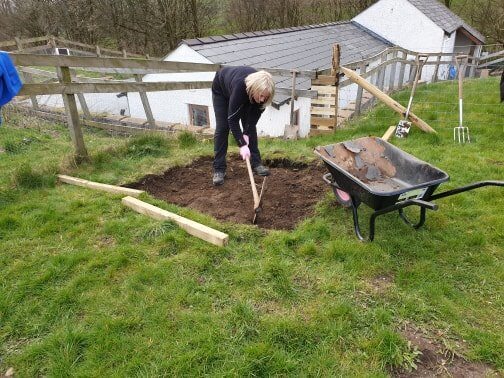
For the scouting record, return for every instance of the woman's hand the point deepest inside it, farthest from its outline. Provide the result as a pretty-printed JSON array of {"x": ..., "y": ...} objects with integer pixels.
[{"x": 245, "y": 152}]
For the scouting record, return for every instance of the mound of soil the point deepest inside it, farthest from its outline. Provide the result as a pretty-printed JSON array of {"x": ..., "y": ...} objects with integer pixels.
[{"x": 290, "y": 193}]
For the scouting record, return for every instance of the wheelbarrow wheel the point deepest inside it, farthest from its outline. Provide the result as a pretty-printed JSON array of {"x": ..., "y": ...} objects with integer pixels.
[{"x": 342, "y": 197}]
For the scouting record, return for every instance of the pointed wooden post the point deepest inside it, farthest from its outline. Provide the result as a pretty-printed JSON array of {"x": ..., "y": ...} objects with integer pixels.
[{"x": 335, "y": 72}]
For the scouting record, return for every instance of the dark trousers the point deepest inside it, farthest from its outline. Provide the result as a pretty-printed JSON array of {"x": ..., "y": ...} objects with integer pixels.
[{"x": 221, "y": 135}]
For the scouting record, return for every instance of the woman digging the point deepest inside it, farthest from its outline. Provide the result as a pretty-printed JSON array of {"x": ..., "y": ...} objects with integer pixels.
[{"x": 239, "y": 94}]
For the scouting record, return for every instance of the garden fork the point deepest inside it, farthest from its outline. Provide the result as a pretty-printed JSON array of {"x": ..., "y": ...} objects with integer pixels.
[{"x": 461, "y": 132}]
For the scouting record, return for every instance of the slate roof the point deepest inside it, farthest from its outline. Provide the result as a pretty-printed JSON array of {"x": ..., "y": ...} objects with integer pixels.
[
  {"x": 302, "y": 48},
  {"x": 444, "y": 17}
]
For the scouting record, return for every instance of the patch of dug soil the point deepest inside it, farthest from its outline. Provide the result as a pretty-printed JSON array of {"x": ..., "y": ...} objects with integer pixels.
[
  {"x": 290, "y": 193},
  {"x": 437, "y": 361}
]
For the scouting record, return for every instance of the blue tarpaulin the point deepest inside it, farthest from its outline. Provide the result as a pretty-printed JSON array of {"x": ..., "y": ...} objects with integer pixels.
[{"x": 10, "y": 83}]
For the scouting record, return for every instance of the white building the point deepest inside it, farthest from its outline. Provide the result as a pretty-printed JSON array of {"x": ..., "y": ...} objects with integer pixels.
[
  {"x": 417, "y": 25},
  {"x": 305, "y": 48},
  {"x": 425, "y": 26}
]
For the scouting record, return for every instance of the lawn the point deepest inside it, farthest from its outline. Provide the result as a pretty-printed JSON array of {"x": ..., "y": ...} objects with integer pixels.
[{"x": 91, "y": 288}]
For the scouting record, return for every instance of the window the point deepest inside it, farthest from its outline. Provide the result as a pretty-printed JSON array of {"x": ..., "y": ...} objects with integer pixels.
[{"x": 198, "y": 115}]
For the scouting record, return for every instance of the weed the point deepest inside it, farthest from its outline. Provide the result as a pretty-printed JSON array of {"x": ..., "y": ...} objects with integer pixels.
[{"x": 395, "y": 352}]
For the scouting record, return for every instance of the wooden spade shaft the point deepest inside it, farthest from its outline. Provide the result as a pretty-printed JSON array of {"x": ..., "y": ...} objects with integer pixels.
[{"x": 252, "y": 183}]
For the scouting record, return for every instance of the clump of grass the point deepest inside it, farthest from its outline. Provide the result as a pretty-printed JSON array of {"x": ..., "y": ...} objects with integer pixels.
[
  {"x": 103, "y": 157},
  {"x": 25, "y": 177},
  {"x": 395, "y": 352},
  {"x": 160, "y": 230},
  {"x": 186, "y": 139},
  {"x": 147, "y": 145},
  {"x": 12, "y": 147}
]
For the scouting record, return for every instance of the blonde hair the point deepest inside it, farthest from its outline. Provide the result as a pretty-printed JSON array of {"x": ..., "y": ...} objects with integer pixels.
[{"x": 258, "y": 83}]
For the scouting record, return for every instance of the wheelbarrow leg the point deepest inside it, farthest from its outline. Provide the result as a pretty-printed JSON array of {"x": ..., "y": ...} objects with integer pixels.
[
  {"x": 398, "y": 206},
  {"x": 355, "y": 214},
  {"x": 409, "y": 223}
]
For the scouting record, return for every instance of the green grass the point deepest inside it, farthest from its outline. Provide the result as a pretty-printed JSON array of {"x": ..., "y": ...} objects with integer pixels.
[{"x": 89, "y": 287}]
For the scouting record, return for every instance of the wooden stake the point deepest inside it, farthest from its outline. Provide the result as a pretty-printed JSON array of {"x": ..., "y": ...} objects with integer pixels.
[
  {"x": 196, "y": 229},
  {"x": 335, "y": 72}
]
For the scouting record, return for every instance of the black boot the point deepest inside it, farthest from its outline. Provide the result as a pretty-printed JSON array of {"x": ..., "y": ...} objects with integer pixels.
[
  {"x": 218, "y": 178},
  {"x": 261, "y": 170}
]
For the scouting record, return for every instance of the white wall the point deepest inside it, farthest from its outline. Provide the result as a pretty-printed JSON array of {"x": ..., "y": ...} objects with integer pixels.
[
  {"x": 96, "y": 102},
  {"x": 173, "y": 106},
  {"x": 402, "y": 24}
]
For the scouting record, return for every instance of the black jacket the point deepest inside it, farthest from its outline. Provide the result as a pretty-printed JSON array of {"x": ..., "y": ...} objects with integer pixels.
[{"x": 229, "y": 82}]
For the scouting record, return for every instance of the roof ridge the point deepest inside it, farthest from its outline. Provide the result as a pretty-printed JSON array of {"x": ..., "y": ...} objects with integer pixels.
[{"x": 258, "y": 33}]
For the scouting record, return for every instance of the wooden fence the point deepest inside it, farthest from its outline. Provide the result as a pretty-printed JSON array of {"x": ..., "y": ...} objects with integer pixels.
[
  {"x": 390, "y": 70},
  {"x": 69, "y": 85},
  {"x": 46, "y": 43},
  {"x": 396, "y": 64}
]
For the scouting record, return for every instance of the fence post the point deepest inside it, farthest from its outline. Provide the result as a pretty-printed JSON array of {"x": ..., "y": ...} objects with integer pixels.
[
  {"x": 145, "y": 103},
  {"x": 335, "y": 72},
  {"x": 358, "y": 98},
  {"x": 72, "y": 115},
  {"x": 400, "y": 84},
  {"x": 436, "y": 70},
  {"x": 84, "y": 107},
  {"x": 472, "y": 66},
  {"x": 381, "y": 73},
  {"x": 392, "y": 73},
  {"x": 413, "y": 70},
  {"x": 26, "y": 76},
  {"x": 293, "y": 96}
]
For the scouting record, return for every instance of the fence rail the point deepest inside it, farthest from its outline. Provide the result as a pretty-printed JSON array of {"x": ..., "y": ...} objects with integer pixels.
[
  {"x": 68, "y": 84},
  {"x": 30, "y": 45},
  {"x": 388, "y": 70}
]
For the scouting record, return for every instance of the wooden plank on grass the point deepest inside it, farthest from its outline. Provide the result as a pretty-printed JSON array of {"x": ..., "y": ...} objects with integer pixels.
[
  {"x": 196, "y": 229},
  {"x": 98, "y": 186}
]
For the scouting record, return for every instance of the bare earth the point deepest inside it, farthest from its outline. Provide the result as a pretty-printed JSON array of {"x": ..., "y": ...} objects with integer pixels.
[{"x": 290, "y": 194}]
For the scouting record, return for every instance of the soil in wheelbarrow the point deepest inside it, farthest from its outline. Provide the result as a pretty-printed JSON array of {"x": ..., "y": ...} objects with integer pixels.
[{"x": 290, "y": 194}]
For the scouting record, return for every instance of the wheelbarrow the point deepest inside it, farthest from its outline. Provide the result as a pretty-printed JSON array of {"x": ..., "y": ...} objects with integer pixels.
[{"x": 372, "y": 171}]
